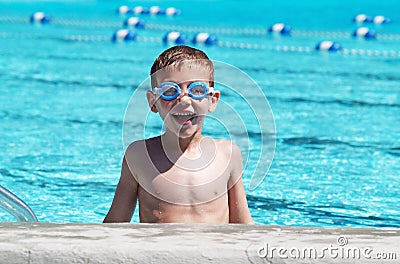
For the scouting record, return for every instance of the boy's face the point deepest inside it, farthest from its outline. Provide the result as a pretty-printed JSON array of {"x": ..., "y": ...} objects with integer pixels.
[{"x": 184, "y": 115}]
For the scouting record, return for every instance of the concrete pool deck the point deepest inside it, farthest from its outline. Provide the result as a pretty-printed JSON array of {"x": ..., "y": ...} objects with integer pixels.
[{"x": 184, "y": 243}]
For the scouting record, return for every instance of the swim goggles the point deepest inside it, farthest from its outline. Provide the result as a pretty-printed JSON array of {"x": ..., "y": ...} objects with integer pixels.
[{"x": 171, "y": 90}]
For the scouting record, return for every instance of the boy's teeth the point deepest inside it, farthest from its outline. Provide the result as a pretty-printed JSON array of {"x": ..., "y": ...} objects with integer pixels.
[{"x": 183, "y": 114}]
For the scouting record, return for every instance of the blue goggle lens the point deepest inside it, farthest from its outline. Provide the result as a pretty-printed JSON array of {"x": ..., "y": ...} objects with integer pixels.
[{"x": 170, "y": 90}]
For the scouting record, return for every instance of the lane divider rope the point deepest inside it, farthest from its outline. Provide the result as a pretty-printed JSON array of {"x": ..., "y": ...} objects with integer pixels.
[
  {"x": 226, "y": 44},
  {"x": 194, "y": 29}
]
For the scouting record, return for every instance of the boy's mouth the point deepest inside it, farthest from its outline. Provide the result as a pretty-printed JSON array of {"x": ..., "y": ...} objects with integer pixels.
[{"x": 184, "y": 118}]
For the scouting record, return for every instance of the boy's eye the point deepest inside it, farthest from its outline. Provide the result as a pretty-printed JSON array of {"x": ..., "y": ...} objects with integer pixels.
[
  {"x": 169, "y": 91},
  {"x": 197, "y": 90}
]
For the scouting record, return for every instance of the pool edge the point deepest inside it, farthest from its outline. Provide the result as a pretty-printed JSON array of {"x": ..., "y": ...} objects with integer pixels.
[{"x": 191, "y": 243}]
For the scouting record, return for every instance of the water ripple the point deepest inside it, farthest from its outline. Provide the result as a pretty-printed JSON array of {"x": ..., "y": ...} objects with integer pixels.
[
  {"x": 351, "y": 74},
  {"x": 83, "y": 83},
  {"x": 317, "y": 213},
  {"x": 350, "y": 103},
  {"x": 315, "y": 141},
  {"x": 44, "y": 178}
]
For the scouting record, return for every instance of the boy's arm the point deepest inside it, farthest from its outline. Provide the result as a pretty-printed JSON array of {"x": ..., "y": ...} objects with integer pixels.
[
  {"x": 238, "y": 207},
  {"x": 125, "y": 197}
]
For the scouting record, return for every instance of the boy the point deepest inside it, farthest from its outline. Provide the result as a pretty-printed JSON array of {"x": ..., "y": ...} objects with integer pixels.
[{"x": 181, "y": 176}]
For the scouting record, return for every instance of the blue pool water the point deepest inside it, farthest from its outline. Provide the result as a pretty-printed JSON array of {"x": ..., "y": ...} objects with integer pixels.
[{"x": 337, "y": 116}]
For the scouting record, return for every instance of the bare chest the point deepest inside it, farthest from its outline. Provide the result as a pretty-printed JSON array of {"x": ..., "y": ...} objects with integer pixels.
[
  {"x": 185, "y": 179},
  {"x": 181, "y": 185}
]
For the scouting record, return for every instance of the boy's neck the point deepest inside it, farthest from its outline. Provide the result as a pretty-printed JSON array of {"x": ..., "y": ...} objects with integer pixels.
[{"x": 173, "y": 142}]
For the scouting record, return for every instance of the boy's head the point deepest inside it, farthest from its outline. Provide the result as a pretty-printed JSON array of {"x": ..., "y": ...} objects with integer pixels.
[
  {"x": 182, "y": 80},
  {"x": 177, "y": 57}
]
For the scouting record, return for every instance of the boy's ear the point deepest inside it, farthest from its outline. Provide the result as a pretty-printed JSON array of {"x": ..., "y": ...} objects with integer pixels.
[
  {"x": 214, "y": 101},
  {"x": 151, "y": 99}
]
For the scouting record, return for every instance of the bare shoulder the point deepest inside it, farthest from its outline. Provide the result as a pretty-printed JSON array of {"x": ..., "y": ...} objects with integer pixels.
[
  {"x": 139, "y": 147},
  {"x": 233, "y": 155},
  {"x": 228, "y": 148}
]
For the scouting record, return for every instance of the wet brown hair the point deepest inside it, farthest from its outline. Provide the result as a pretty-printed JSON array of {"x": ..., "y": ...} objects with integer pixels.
[{"x": 179, "y": 56}]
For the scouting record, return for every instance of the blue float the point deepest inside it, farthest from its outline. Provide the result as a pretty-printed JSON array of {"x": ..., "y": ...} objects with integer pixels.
[
  {"x": 134, "y": 22},
  {"x": 172, "y": 11},
  {"x": 362, "y": 18},
  {"x": 280, "y": 28},
  {"x": 365, "y": 33},
  {"x": 124, "y": 10},
  {"x": 205, "y": 38},
  {"x": 156, "y": 10},
  {"x": 327, "y": 45},
  {"x": 175, "y": 38},
  {"x": 381, "y": 20},
  {"x": 124, "y": 35},
  {"x": 140, "y": 10},
  {"x": 39, "y": 18}
]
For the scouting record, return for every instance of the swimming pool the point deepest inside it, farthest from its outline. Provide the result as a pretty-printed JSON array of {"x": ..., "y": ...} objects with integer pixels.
[{"x": 337, "y": 115}]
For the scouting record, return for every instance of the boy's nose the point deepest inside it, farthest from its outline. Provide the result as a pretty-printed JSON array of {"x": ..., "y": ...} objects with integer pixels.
[
  {"x": 184, "y": 96},
  {"x": 184, "y": 99}
]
